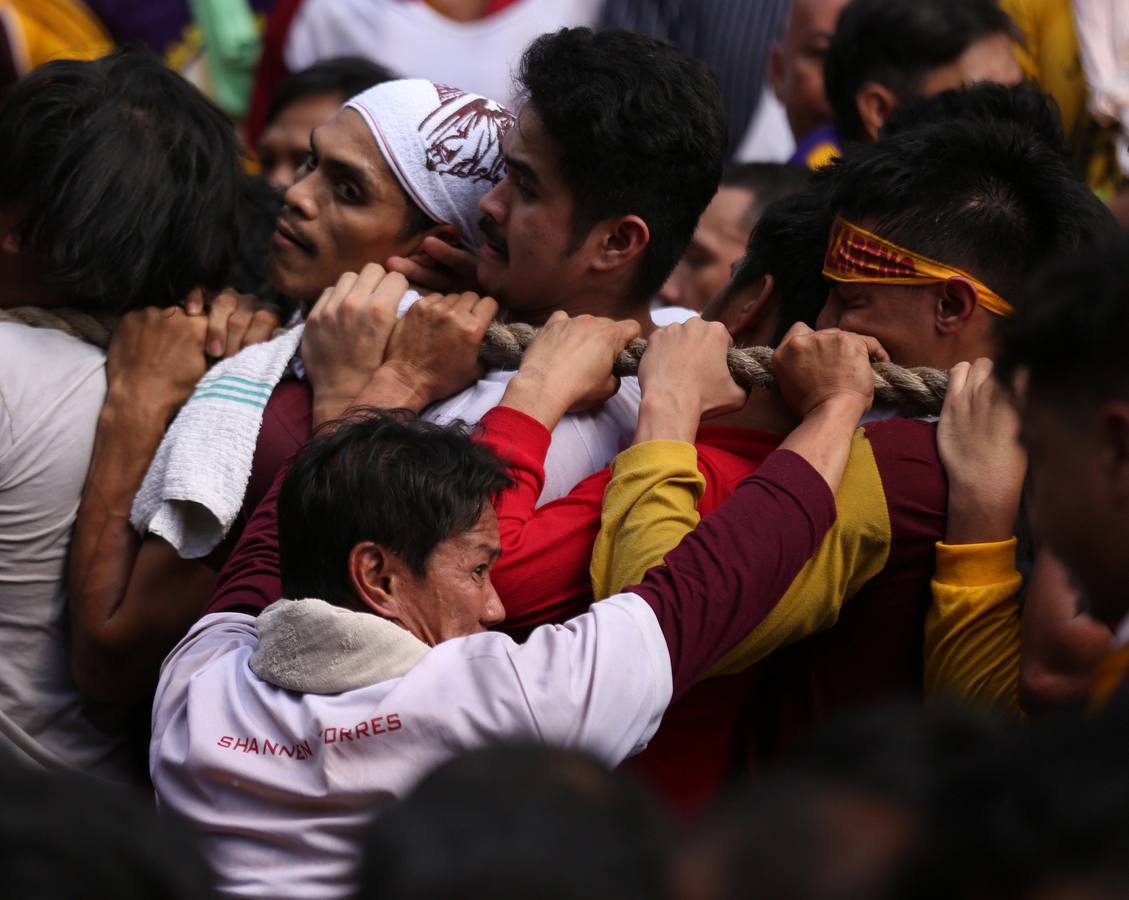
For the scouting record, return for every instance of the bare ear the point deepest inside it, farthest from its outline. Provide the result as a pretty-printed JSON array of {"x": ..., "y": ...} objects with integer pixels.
[
  {"x": 622, "y": 241},
  {"x": 875, "y": 103},
  {"x": 754, "y": 322},
  {"x": 373, "y": 575},
  {"x": 955, "y": 305}
]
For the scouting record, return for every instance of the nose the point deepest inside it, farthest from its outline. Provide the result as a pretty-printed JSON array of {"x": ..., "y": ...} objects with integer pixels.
[
  {"x": 280, "y": 176},
  {"x": 300, "y": 197},
  {"x": 671, "y": 291},
  {"x": 493, "y": 612},
  {"x": 831, "y": 313},
  {"x": 495, "y": 203}
]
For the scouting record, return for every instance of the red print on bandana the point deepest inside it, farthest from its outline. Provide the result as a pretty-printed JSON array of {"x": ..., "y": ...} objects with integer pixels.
[{"x": 464, "y": 136}]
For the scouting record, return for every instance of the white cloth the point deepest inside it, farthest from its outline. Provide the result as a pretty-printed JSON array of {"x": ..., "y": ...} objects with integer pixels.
[
  {"x": 663, "y": 315},
  {"x": 443, "y": 145},
  {"x": 1102, "y": 27},
  {"x": 314, "y": 647},
  {"x": 51, "y": 391},
  {"x": 194, "y": 487},
  {"x": 278, "y": 783},
  {"x": 416, "y": 41},
  {"x": 769, "y": 138}
]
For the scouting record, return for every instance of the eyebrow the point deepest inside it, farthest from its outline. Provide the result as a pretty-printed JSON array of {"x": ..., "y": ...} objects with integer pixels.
[
  {"x": 493, "y": 550},
  {"x": 340, "y": 167}
]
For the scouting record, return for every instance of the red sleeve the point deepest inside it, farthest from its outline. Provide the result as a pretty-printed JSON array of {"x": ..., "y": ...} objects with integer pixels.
[
  {"x": 542, "y": 574},
  {"x": 251, "y": 580},
  {"x": 729, "y": 572}
]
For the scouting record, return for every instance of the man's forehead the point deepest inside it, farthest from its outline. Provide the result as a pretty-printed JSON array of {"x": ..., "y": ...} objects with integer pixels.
[
  {"x": 347, "y": 139},
  {"x": 529, "y": 145}
]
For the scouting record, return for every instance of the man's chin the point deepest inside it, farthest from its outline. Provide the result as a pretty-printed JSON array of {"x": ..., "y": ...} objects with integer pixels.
[
  {"x": 491, "y": 277},
  {"x": 289, "y": 283}
]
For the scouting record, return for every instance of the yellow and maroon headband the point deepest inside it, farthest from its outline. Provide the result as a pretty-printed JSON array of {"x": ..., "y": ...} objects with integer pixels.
[{"x": 855, "y": 254}]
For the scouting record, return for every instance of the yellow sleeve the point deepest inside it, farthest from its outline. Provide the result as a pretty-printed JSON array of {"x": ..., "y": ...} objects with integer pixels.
[
  {"x": 972, "y": 628},
  {"x": 650, "y": 504},
  {"x": 854, "y": 550}
]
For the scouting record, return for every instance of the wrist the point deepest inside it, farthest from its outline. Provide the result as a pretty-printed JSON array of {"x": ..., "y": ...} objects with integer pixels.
[
  {"x": 528, "y": 394},
  {"x": 125, "y": 403},
  {"x": 974, "y": 519},
  {"x": 667, "y": 416},
  {"x": 394, "y": 386},
  {"x": 839, "y": 407}
]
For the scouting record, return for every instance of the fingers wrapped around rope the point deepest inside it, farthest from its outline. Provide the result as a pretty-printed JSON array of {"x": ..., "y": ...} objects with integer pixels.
[{"x": 917, "y": 391}]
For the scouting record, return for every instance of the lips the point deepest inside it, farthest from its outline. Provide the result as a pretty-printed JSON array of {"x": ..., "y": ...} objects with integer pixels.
[{"x": 291, "y": 236}]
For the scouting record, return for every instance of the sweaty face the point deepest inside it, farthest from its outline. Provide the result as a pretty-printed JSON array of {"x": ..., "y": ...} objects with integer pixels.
[
  {"x": 798, "y": 64},
  {"x": 900, "y": 317},
  {"x": 991, "y": 58},
  {"x": 455, "y": 597},
  {"x": 345, "y": 209},
  {"x": 285, "y": 143},
  {"x": 719, "y": 242},
  {"x": 527, "y": 220}
]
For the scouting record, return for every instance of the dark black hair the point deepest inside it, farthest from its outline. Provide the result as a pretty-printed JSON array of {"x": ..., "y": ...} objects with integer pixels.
[
  {"x": 884, "y": 766},
  {"x": 257, "y": 208},
  {"x": 1069, "y": 331},
  {"x": 381, "y": 476},
  {"x": 512, "y": 823},
  {"x": 641, "y": 130},
  {"x": 1024, "y": 103},
  {"x": 70, "y": 837},
  {"x": 1044, "y": 814},
  {"x": 897, "y": 43},
  {"x": 789, "y": 243},
  {"x": 990, "y": 197},
  {"x": 126, "y": 177},
  {"x": 766, "y": 181},
  {"x": 343, "y": 76}
]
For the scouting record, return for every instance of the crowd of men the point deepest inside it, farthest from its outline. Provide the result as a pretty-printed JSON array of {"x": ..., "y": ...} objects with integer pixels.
[{"x": 488, "y": 501}]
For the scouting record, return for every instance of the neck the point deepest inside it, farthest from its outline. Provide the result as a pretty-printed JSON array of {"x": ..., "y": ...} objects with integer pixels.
[{"x": 607, "y": 305}]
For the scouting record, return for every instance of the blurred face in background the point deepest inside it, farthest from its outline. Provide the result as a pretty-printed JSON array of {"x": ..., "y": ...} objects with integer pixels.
[
  {"x": 286, "y": 140},
  {"x": 795, "y": 68},
  {"x": 719, "y": 241}
]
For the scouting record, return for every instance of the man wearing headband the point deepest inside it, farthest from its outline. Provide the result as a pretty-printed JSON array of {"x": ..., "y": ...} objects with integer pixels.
[{"x": 938, "y": 227}]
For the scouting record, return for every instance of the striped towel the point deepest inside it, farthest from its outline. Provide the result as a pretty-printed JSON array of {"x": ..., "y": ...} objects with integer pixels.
[{"x": 195, "y": 485}]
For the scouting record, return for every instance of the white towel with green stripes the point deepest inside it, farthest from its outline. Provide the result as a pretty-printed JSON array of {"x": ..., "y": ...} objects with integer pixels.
[{"x": 195, "y": 485}]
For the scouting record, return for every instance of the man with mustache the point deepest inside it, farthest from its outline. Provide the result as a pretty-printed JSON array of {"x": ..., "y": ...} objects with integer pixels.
[{"x": 586, "y": 219}]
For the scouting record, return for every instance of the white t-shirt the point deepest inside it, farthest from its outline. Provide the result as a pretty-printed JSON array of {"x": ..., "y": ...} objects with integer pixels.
[
  {"x": 51, "y": 391},
  {"x": 279, "y": 783},
  {"x": 582, "y": 443},
  {"x": 416, "y": 41}
]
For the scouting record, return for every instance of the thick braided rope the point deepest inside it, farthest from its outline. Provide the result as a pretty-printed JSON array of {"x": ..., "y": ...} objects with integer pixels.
[
  {"x": 94, "y": 328},
  {"x": 910, "y": 391}
]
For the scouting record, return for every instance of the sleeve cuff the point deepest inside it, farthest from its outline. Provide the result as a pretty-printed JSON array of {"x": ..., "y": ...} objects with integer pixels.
[
  {"x": 505, "y": 430},
  {"x": 975, "y": 565},
  {"x": 669, "y": 456}
]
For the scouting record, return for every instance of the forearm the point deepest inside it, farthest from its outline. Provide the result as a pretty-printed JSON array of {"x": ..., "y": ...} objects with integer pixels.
[
  {"x": 104, "y": 547},
  {"x": 667, "y": 416},
  {"x": 526, "y": 394},
  {"x": 649, "y": 506},
  {"x": 823, "y": 438},
  {"x": 734, "y": 567},
  {"x": 977, "y": 516},
  {"x": 390, "y": 387},
  {"x": 129, "y": 600}
]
